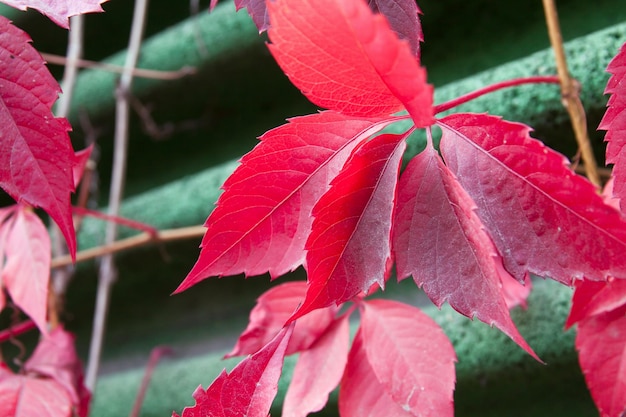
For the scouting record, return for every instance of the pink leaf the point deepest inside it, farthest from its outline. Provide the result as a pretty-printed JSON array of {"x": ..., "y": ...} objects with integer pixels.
[
  {"x": 515, "y": 293},
  {"x": 441, "y": 242},
  {"x": 250, "y": 387},
  {"x": 59, "y": 11},
  {"x": 543, "y": 218},
  {"x": 257, "y": 11},
  {"x": 345, "y": 58},
  {"x": 403, "y": 17},
  {"x": 411, "y": 357},
  {"x": 5, "y": 228},
  {"x": 592, "y": 298},
  {"x": 348, "y": 249},
  {"x": 263, "y": 218},
  {"x": 270, "y": 314},
  {"x": 80, "y": 161},
  {"x": 601, "y": 343},
  {"x": 614, "y": 122},
  {"x": 318, "y": 370},
  {"x": 36, "y": 156},
  {"x": 27, "y": 269}
]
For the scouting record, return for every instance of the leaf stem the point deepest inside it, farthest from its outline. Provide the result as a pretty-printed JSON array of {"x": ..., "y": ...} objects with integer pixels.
[
  {"x": 155, "y": 356},
  {"x": 545, "y": 79},
  {"x": 570, "y": 94},
  {"x": 16, "y": 330}
]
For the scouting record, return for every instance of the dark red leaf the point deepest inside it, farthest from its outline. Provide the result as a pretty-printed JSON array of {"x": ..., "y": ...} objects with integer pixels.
[
  {"x": 250, "y": 387},
  {"x": 601, "y": 343},
  {"x": 318, "y": 370},
  {"x": 592, "y": 298},
  {"x": 411, "y": 357},
  {"x": 403, "y": 17},
  {"x": 614, "y": 122},
  {"x": 441, "y": 242},
  {"x": 59, "y": 11},
  {"x": 543, "y": 218},
  {"x": 36, "y": 156},
  {"x": 348, "y": 249},
  {"x": 270, "y": 314},
  {"x": 257, "y": 11},
  {"x": 263, "y": 218},
  {"x": 344, "y": 57}
]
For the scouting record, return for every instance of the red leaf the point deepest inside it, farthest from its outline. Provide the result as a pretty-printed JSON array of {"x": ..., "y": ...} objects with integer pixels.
[
  {"x": 348, "y": 249},
  {"x": 543, "y": 218},
  {"x": 27, "y": 396},
  {"x": 411, "y": 357},
  {"x": 27, "y": 269},
  {"x": 614, "y": 122},
  {"x": 441, "y": 242},
  {"x": 36, "y": 156},
  {"x": 270, "y": 314},
  {"x": 262, "y": 219},
  {"x": 593, "y": 298},
  {"x": 360, "y": 393},
  {"x": 80, "y": 161},
  {"x": 250, "y": 387},
  {"x": 403, "y": 17},
  {"x": 601, "y": 343},
  {"x": 344, "y": 57},
  {"x": 318, "y": 370},
  {"x": 59, "y": 11}
]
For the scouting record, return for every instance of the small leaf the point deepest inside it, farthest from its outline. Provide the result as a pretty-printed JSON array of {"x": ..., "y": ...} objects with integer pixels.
[
  {"x": 257, "y": 11},
  {"x": 263, "y": 218},
  {"x": 36, "y": 156},
  {"x": 318, "y": 370},
  {"x": 271, "y": 312},
  {"x": 345, "y": 58},
  {"x": 601, "y": 343},
  {"x": 348, "y": 249},
  {"x": 515, "y": 293},
  {"x": 59, "y": 11},
  {"x": 80, "y": 162},
  {"x": 403, "y": 17},
  {"x": 543, "y": 218},
  {"x": 592, "y": 298}
]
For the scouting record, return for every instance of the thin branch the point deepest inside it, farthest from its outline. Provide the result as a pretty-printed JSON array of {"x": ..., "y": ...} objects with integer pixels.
[
  {"x": 155, "y": 356},
  {"x": 136, "y": 72},
  {"x": 107, "y": 269},
  {"x": 570, "y": 94}
]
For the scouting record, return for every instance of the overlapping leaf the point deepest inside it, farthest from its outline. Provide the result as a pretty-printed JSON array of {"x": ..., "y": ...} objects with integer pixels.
[
  {"x": 614, "y": 122},
  {"x": 349, "y": 247},
  {"x": 441, "y": 242},
  {"x": 262, "y": 220},
  {"x": 592, "y": 298},
  {"x": 403, "y": 17},
  {"x": 36, "y": 156},
  {"x": 59, "y": 11},
  {"x": 345, "y": 58},
  {"x": 543, "y": 218}
]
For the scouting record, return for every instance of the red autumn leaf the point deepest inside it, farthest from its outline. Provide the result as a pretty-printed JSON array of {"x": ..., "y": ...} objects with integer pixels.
[
  {"x": 271, "y": 312},
  {"x": 344, "y": 57},
  {"x": 543, "y": 218},
  {"x": 318, "y": 370},
  {"x": 601, "y": 344},
  {"x": 250, "y": 387},
  {"x": 29, "y": 395},
  {"x": 348, "y": 249},
  {"x": 27, "y": 270},
  {"x": 263, "y": 218},
  {"x": 614, "y": 122},
  {"x": 411, "y": 357},
  {"x": 59, "y": 11},
  {"x": 592, "y": 298},
  {"x": 441, "y": 242},
  {"x": 403, "y": 17},
  {"x": 36, "y": 156}
]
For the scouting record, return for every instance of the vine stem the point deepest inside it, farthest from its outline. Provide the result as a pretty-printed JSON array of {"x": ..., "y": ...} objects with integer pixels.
[
  {"x": 107, "y": 273},
  {"x": 570, "y": 93}
]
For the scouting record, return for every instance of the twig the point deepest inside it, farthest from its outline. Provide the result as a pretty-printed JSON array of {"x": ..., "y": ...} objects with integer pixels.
[
  {"x": 136, "y": 72},
  {"x": 155, "y": 356},
  {"x": 570, "y": 94},
  {"x": 107, "y": 268}
]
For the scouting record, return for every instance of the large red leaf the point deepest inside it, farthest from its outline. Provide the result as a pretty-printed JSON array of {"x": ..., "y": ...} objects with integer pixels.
[
  {"x": 441, "y": 242},
  {"x": 318, "y": 370},
  {"x": 271, "y": 312},
  {"x": 543, "y": 218},
  {"x": 348, "y": 249},
  {"x": 59, "y": 11},
  {"x": 344, "y": 57},
  {"x": 592, "y": 298},
  {"x": 27, "y": 270},
  {"x": 411, "y": 357},
  {"x": 614, "y": 122},
  {"x": 601, "y": 344},
  {"x": 36, "y": 156},
  {"x": 263, "y": 218},
  {"x": 403, "y": 17},
  {"x": 250, "y": 387}
]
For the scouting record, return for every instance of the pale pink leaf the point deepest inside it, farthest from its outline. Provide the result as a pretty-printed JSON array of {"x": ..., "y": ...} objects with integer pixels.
[{"x": 59, "y": 11}]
